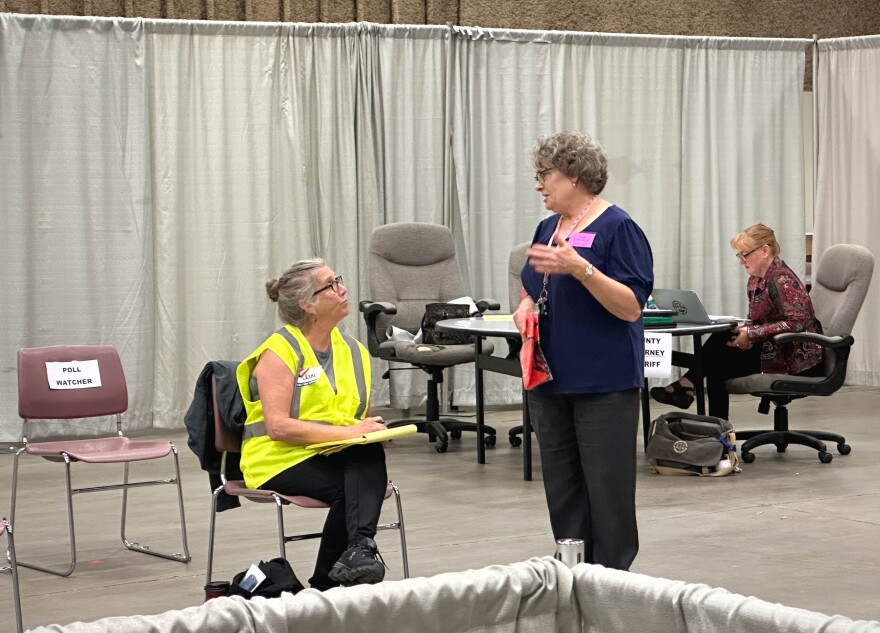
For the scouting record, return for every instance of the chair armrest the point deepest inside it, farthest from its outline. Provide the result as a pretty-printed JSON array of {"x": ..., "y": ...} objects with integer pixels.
[
  {"x": 371, "y": 311},
  {"x": 487, "y": 304},
  {"x": 831, "y": 342}
]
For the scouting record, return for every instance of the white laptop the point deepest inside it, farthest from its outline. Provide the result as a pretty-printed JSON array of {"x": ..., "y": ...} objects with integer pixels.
[{"x": 688, "y": 307}]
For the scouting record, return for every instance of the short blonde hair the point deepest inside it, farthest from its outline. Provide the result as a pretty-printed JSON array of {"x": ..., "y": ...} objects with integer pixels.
[
  {"x": 756, "y": 236},
  {"x": 575, "y": 154},
  {"x": 295, "y": 286}
]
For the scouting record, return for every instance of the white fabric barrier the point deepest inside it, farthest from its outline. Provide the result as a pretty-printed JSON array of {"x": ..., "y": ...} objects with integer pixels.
[
  {"x": 612, "y": 601},
  {"x": 538, "y": 595},
  {"x": 529, "y": 597}
]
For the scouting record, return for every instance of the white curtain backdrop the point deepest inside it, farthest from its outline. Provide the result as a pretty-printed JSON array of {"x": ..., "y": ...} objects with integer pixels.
[
  {"x": 847, "y": 185},
  {"x": 703, "y": 137},
  {"x": 76, "y": 245},
  {"x": 153, "y": 174}
]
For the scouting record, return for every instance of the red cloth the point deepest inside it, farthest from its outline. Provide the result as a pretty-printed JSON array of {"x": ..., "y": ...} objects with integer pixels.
[{"x": 535, "y": 370}]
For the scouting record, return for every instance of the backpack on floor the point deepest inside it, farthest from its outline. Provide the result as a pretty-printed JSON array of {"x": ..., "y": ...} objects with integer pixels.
[{"x": 687, "y": 444}]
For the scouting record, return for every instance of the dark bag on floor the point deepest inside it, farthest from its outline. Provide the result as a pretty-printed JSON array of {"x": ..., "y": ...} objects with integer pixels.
[
  {"x": 438, "y": 312},
  {"x": 279, "y": 578},
  {"x": 688, "y": 444}
]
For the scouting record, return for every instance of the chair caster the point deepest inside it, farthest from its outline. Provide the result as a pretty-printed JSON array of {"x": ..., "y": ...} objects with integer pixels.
[
  {"x": 489, "y": 441},
  {"x": 748, "y": 458},
  {"x": 825, "y": 457},
  {"x": 844, "y": 449},
  {"x": 515, "y": 440},
  {"x": 455, "y": 434},
  {"x": 441, "y": 447},
  {"x": 780, "y": 448}
]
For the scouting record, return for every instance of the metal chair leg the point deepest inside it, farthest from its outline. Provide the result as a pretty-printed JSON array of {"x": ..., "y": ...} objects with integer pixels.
[
  {"x": 181, "y": 557},
  {"x": 70, "y": 529},
  {"x": 211, "y": 526},
  {"x": 13, "y": 569}
]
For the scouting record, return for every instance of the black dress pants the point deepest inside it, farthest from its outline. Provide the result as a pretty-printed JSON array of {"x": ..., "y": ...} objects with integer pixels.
[
  {"x": 353, "y": 482},
  {"x": 722, "y": 362},
  {"x": 588, "y": 460}
]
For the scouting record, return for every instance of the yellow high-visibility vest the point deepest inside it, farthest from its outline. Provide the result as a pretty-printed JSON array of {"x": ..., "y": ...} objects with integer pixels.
[{"x": 313, "y": 399}]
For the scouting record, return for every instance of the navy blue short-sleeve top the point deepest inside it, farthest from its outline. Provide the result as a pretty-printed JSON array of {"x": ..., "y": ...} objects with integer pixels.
[{"x": 588, "y": 349}]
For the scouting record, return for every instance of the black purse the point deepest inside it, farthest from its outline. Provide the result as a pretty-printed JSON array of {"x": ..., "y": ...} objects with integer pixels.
[
  {"x": 279, "y": 578},
  {"x": 438, "y": 312}
]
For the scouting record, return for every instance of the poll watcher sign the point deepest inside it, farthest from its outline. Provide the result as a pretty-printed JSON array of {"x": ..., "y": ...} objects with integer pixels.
[
  {"x": 77, "y": 374},
  {"x": 658, "y": 354}
]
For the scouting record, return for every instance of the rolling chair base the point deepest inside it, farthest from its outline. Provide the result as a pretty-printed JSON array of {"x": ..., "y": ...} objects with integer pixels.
[
  {"x": 782, "y": 439},
  {"x": 439, "y": 431}
]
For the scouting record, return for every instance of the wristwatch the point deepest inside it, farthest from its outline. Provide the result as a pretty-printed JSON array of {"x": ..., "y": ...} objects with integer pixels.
[{"x": 588, "y": 272}]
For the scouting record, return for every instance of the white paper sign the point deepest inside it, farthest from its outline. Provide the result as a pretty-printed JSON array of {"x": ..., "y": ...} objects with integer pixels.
[
  {"x": 658, "y": 354},
  {"x": 75, "y": 374}
]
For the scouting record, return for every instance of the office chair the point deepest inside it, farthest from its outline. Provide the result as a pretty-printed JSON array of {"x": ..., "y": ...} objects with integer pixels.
[
  {"x": 412, "y": 265},
  {"x": 840, "y": 284},
  {"x": 6, "y": 528},
  {"x": 227, "y": 439},
  {"x": 86, "y": 381},
  {"x": 515, "y": 262}
]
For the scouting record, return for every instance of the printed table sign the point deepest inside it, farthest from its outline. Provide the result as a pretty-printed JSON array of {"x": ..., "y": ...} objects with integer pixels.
[
  {"x": 75, "y": 374},
  {"x": 658, "y": 354}
]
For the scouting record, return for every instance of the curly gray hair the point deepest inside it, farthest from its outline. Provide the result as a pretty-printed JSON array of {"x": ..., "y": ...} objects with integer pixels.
[
  {"x": 295, "y": 286},
  {"x": 575, "y": 154}
]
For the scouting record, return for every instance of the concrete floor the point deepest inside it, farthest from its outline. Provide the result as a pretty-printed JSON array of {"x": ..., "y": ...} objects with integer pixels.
[{"x": 788, "y": 529}]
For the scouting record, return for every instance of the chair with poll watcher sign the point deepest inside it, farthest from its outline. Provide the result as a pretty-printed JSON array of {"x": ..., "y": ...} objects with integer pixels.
[{"x": 86, "y": 383}]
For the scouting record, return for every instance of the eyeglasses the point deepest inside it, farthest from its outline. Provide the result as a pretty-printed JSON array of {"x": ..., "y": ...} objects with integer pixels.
[
  {"x": 742, "y": 256},
  {"x": 541, "y": 174},
  {"x": 334, "y": 285}
]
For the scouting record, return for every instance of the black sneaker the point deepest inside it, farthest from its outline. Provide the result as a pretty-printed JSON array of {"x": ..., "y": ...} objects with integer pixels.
[{"x": 360, "y": 564}]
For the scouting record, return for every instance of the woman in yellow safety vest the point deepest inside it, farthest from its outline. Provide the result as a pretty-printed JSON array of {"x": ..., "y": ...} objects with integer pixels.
[{"x": 310, "y": 383}]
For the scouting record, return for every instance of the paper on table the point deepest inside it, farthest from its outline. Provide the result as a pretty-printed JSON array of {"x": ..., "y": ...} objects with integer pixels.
[
  {"x": 497, "y": 317},
  {"x": 328, "y": 448}
]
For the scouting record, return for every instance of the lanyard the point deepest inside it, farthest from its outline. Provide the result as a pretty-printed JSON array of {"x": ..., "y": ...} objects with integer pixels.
[{"x": 542, "y": 304}]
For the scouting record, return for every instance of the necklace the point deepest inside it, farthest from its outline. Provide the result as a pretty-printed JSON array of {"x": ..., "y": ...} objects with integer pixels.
[
  {"x": 541, "y": 305},
  {"x": 577, "y": 220}
]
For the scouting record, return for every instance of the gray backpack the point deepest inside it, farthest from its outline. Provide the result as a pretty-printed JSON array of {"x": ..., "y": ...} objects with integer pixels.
[{"x": 688, "y": 444}]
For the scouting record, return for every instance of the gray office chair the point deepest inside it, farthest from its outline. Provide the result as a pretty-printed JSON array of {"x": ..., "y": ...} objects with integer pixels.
[
  {"x": 515, "y": 262},
  {"x": 411, "y": 265},
  {"x": 840, "y": 284}
]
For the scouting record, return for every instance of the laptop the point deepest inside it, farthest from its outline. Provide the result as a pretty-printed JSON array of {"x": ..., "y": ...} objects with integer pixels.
[{"x": 689, "y": 307}]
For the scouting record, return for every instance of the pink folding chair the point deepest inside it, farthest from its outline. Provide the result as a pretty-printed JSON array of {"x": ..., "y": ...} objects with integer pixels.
[
  {"x": 6, "y": 528},
  {"x": 227, "y": 440},
  {"x": 85, "y": 381}
]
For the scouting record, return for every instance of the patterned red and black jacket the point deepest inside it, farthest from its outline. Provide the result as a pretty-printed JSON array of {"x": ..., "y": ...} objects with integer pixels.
[{"x": 779, "y": 302}]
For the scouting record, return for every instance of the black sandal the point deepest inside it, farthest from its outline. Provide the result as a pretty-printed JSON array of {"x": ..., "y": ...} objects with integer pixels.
[{"x": 680, "y": 396}]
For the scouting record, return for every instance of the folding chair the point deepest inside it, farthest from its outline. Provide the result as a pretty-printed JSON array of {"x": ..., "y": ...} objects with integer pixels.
[
  {"x": 6, "y": 527},
  {"x": 227, "y": 440},
  {"x": 85, "y": 381}
]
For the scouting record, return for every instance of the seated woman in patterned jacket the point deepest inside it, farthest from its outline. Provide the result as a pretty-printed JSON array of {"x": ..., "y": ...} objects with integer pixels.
[{"x": 778, "y": 302}]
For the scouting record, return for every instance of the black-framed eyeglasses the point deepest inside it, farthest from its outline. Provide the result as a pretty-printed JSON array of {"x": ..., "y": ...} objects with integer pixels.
[
  {"x": 333, "y": 285},
  {"x": 541, "y": 174},
  {"x": 742, "y": 256}
]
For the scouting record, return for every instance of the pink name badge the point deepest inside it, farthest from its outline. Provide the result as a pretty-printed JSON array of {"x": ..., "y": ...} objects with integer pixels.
[{"x": 583, "y": 240}]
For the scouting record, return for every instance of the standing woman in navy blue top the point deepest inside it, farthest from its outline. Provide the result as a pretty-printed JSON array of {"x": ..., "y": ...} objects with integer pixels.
[{"x": 589, "y": 272}]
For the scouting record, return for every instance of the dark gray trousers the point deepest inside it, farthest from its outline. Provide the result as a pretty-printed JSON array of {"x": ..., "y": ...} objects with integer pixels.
[
  {"x": 353, "y": 482},
  {"x": 588, "y": 459}
]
